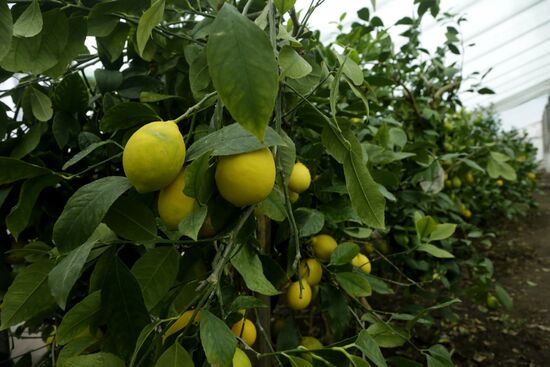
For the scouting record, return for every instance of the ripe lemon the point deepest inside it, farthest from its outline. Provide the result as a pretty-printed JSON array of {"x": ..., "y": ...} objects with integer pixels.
[
  {"x": 309, "y": 342},
  {"x": 467, "y": 213},
  {"x": 311, "y": 271},
  {"x": 300, "y": 178},
  {"x": 247, "y": 178},
  {"x": 240, "y": 359},
  {"x": 532, "y": 176},
  {"x": 182, "y": 322},
  {"x": 173, "y": 204},
  {"x": 293, "y": 196},
  {"x": 298, "y": 301},
  {"x": 246, "y": 330},
  {"x": 323, "y": 245},
  {"x": 500, "y": 183},
  {"x": 362, "y": 262},
  {"x": 457, "y": 183},
  {"x": 153, "y": 156}
]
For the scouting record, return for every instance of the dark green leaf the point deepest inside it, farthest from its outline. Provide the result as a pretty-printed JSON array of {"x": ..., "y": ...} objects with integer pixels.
[
  {"x": 84, "y": 153},
  {"x": 248, "y": 264},
  {"x": 6, "y": 28},
  {"x": 71, "y": 95},
  {"x": 75, "y": 46},
  {"x": 151, "y": 97},
  {"x": 100, "y": 359},
  {"x": 28, "y": 142},
  {"x": 199, "y": 179},
  {"x": 387, "y": 336},
  {"x": 354, "y": 284},
  {"x": 486, "y": 91},
  {"x": 175, "y": 356},
  {"x": 309, "y": 221},
  {"x": 110, "y": 80},
  {"x": 344, "y": 253},
  {"x": 148, "y": 22},
  {"x": 130, "y": 218},
  {"x": 191, "y": 225},
  {"x": 79, "y": 318},
  {"x": 284, "y": 5},
  {"x": 439, "y": 357},
  {"x": 113, "y": 44},
  {"x": 504, "y": 298},
  {"x": 12, "y": 170},
  {"x": 297, "y": 361},
  {"x": 368, "y": 346},
  {"x": 41, "y": 105},
  {"x": 199, "y": 77},
  {"x": 64, "y": 128},
  {"x": 127, "y": 114},
  {"x": 29, "y": 23},
  {"x": 246, "y": 302},
  {"x": 435, "y": 251}
]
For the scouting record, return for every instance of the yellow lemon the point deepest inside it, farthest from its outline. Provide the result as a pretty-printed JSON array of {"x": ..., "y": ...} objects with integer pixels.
[
  {"x": 309, "y": 342},
  {"x": 311, "y": 271},
  {"x": 323, "y": 245},
  {"x": 362, "y": 262},
  {"x": 293, "y": 196},
  {"x": 299, "y": 300},
  {"x": 500, "y": 183},
  {"x": 153, "y": 156},
  {"x": 182, "y": 322},
  {"x": 470, "y": 178},
  {"x": 246, "y": 330},
  {"x": 300, "y": 178},
  {"x": 532, "y": 176},
  {"x": 240, "y": 359},
  {"x": 247, "y": 178},
  {"x": 173, "y": 204},
  {"x": 467, "y": 213}
]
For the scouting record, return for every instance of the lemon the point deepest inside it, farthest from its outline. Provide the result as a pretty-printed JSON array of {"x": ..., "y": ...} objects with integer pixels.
[
  {"x": 182, "y": 322},
  {"x": 323, "y": 245},
  {"x": 247, "y": 178},
  {"x": 467, "y": 213},
  {"x": 300, "y": 178},
  {"x": 449, "y": 184},
  {"x": 311, "y": 271},
  {"x": 173, "y": 204},
  {"x": 532, "y": 176},
  {"x": 246, "y": 330},
  {"x": 298, "y": 301},
  {"x": 457, "y": 182},
  {"x": 492, "y": 301},
  {"x": 309, "y": 342},
  {"x": 153, "y": 156},
  {"x": 293, "y": 196},
  {"x": 470, "y": 178},
  {"x": 240, "y": 359},
  {"x": 369, "y": 247},
  {"x": 362, "y": 262},
  {"x": 500, "y": 183}
]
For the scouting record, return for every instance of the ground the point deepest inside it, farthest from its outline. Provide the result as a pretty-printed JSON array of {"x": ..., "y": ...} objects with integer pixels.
[{"x": 520, "y": 337}]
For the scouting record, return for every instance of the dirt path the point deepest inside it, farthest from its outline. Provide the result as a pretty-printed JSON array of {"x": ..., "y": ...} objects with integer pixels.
[{"x": 520, "y": 337}]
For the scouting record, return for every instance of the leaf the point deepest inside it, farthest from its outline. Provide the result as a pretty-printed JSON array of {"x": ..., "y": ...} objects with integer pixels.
[
  {"x": 85, "y": 210},
  {"x": 151, "y": 97},
  {"x": 113, "y": 44},
  {"x": 425, "y": 226},
  {"x": 175, "y": 356},
  {"x": 344, "y": 253},
  {"x": 309, "y": 221},
  {"x": 127, "y": 114},
  {"x": 439, "y": 357},
  {"x": 12, "y": 170},
  {"x": 130, "y": 218},
  {"x": 217, "y": 340},
  {"x": 354, "y": 284},
  {"x": 274, "y": 205},
  {"x": 27, "y": 296},
  {"x": 199, "y": 179},
  {"x": 435, "y": 251},
  {"x": 191, "y": 225},
  {"x": 497, "y": 168},
  {"x": 28, "y": 142},
  {"x": 147, "y": 23},
  {"x": 293, "y": 65},
  {"x": 387, "y": 336},
  {"x": 84, "y": 153},
  {"x": 358, "y": 361},
  {"x": 71, "y": 95},
  {"x": 123, "y": 307},
  {"x": 243, "y": 68},
  {"x": 504, "y": 298},
  {"x": 78, "y": 319},
  {"x": 100, "y": 359},
  {"x": 74, "y": 47},
  {"x": 248, "y": 264},
  {"x": 156, "y": 272},
  {"x": 232, "y": 139},
  {"x": 75, "y": 348},
  {"x": 358, "y": 232},
  {"x": 65, "y": 274},
  {"x": 110, "y": 80},
  {"x": 486, "y": 91},
  {"x": 6, "y": 28},
  {"x": 297, "y": 361},
  {"x": 30, "y": 22},
  {"x": 351, "y": 69},
  {"x": 19, "y": 216},
  {"x": 41, "y": 105},
  {"x": 442, "y": 231},
  {"x": 64, "y": 128},
  {"x": 368, "y": 346},
  {"x": 284, "y": 5},
  {"x": 246, "y": 302}
]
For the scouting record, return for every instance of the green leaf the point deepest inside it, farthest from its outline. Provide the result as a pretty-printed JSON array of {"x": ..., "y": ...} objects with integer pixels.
[
  {"x": 191, "y": 225},
  {"x": 504, "y": 298},
  {"x": 344, "y": 253},
  {"x": 84, "y": 153},
  {"x": 425, "y": 226},
  {"x": 71, "y": 95},
  {"x": 127, "y": 114},
  {"x": 113, "y": 44},
  {"x": 110, "y": 80},
  {"x": 387, "y": 336},
  {"x": 435, "y": 251},
  {"x": 41, "y": 105},
  {"x": 199, "y": 77},
  {"x": 248, "y": 264},
  {"x": 65, "y": 274},
  {"x": 152, "y": 97},
  {"x": 246, "y": 302},
  {"x": 199, "y": 179},
  {"x": 30, "y": 22},
  {"x": 274, "y": 205},
  {"x": 75, "y": 46},
  {"x": 358, "y": 361},
  {"x": 486, "y": 91},
  {"x": 123, "y": 307},
  {"x": 156, "y": 272},
  {"x": 497, "y": 168},
  {"x": 19, "y": 216},
  {"x": 28, "y": 142},
  {"x": 217, "y": 340},
  {"x": 85, "y": 210},
  {"x": 293, "y": 65},
  {"x": 12, "y": 170},
  {"x": 64, "y": 128},
  {"x": 354, "y": 284},
  {"x": 75, "y": 348},
  {"x": 232, "y": 139},
  {"x": 351, "y": 69},
  {"x": 442, "y": 231},
  {"x": 147, "y": 23},
  {"x": 175, "y": 356},
  {"x": 130, "y": 218},
  {"x": 27, "y": 296},
  {"x": 284, "y": 5},
  {"x": 297, "y": 361},
  {"x": 100, "y": 359},
  {"x": 309, "y": 221},
  {"x": 358, "y": 232},
  {"x": 439, "y": 357},
  {"x": 79, "y": 318},
  {"x": 6, "y": 28},
  {"x": 243, "y": 68},
  {"x": 368, "y": 346}
]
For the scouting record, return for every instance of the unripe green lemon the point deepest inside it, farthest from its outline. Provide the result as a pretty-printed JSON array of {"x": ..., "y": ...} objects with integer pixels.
[
  {"x": 323, "y": 245},
  {"x": 293, "y": 196},
  {"x": 532, "y": 176},
  {"x": 470, "y": 178},
  {"x": 311, "y": 271},
  {"x": 492, "y": 301},
  {"x": 153, "y": 156},
  {"x": 457, "y": 182},
  {"x": 362, "y": 262},
  {"x": 300, "y": 178},
  {"x": 173, "y": 204},
  {"x": 246, "y": 330},
  {"x": 299, "y": 300},
  {"x": 309, "y": 342},
  {"x": 247, "y": 178},
  {"x": 240, "y": 359},
  {"x": 467, "y": 213}
]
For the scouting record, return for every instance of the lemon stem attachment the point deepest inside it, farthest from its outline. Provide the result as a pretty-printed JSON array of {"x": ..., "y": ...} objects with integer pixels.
[{"x": 195, "y": 108}]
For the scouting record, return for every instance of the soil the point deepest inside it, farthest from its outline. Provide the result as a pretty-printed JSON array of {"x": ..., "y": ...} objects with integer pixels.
[{"x": 520, "y": 337}]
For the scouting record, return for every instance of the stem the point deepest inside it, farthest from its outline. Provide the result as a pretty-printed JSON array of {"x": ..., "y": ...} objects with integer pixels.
[{"x": 195, "y": 108}]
